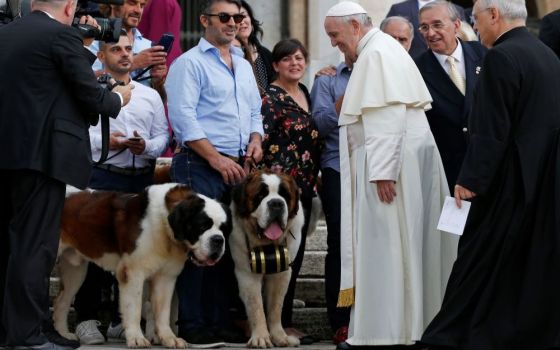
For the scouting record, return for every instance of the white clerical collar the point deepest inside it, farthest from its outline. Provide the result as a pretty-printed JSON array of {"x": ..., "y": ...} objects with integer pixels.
[{"x": 421, "y": 3}]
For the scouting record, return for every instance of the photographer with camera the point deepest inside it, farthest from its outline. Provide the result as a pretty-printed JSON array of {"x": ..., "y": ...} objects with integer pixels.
[
  {"x": 137, "y": 137},
  {"x": 149, "y": 62},
  {"x": 49, "y": 99}
]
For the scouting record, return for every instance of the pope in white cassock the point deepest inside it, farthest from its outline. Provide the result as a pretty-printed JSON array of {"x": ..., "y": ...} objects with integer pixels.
[{"x": 395, "y": 263}]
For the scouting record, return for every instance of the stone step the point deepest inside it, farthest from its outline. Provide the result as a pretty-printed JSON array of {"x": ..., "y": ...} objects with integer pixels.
[
  {"x": 313, "y": 321},
  {"x": 318, "y": 240},
  {"x": 311, "y": 291},
  {"x": 313, "y": 265}
]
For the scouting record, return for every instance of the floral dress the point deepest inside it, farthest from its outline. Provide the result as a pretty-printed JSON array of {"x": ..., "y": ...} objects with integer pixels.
[{"x": 291, "y": 140}]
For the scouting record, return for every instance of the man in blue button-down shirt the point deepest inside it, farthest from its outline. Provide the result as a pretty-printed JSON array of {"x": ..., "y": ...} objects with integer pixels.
[
  {"x": 214, "y": 109},
  {"x": 328, "y": 89}
]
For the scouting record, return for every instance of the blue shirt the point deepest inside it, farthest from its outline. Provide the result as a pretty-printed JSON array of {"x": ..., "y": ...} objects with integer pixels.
[
  {"x": 326, "y": 90},
  {"x": 140, "y": 44},
  {"x": 207, "y": 100}
]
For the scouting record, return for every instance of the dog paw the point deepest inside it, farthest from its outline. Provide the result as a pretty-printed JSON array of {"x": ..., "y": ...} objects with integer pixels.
[
  {"x": 174, "y": 343},
  {"x": 281, "y": 339},
  {"x": 260, "y": 342},
  {"x": 69, "y": 335},
  {"x": 137, "y": 342}
]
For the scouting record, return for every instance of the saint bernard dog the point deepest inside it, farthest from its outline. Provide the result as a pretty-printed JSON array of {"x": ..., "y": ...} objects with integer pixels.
[
  {"x": 144, "y": 237},
  {"x": 266, "y": 212}
]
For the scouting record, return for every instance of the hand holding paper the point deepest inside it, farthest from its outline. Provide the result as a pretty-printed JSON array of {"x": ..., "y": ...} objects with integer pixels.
[{"x": 453, "y": 218}]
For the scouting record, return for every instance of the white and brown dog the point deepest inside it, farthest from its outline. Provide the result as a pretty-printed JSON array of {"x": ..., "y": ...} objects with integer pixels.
[
  {"x": 140, "y": 237},
  {"x": 265, "y": 210}
]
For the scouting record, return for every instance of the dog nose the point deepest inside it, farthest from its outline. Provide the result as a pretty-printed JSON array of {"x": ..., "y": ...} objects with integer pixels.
[
  {"x": 275, "y": 205},
  {"x": 216, "y": 242}
]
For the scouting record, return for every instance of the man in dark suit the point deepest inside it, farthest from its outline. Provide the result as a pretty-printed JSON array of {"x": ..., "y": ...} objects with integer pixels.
[
  {"x": 409, "y": 10},
  {"x": 503, "y": 290},
  {"x": 439, "y": 24},
  {"x": 49, "y": 98},
  {"x": 550, "y": 31}
]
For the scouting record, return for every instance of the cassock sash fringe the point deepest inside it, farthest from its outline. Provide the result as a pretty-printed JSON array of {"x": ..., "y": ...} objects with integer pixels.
[{"x": 345, "y": 297}]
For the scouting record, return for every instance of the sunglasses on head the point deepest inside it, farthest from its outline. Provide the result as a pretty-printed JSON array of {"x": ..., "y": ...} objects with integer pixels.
[{"x": 225, "y": 17}]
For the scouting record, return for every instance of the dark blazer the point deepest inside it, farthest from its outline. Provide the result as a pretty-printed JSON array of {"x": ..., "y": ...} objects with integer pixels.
[
  {"x": 448, "y": 117},
  {"x": 550, "y": 31},
  {"x": 409, "y": 10},
  {"x": 49, "y": 98}
]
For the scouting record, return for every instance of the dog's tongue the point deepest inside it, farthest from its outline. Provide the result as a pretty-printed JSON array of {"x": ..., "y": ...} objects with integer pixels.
[{"x": 273, "y": 232}]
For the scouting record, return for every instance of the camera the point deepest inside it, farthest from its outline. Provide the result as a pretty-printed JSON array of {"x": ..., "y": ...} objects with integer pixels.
[{"x": 109, "y": 30}]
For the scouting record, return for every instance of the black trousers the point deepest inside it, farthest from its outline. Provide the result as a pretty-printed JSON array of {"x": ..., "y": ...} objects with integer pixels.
[
  {"x": 30, "y": 209},
  {"x": 330, "y": 197}
]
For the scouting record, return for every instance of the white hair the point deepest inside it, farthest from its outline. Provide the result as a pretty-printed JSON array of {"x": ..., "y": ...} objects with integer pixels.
[
  {"x": 509, "y": 9},
  {"x": 361, "y": 18},
  {"x": 451, "y": 8}
]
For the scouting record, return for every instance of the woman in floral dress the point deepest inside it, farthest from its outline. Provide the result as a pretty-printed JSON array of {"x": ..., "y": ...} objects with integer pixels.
[{"x": 291, "y": 143}]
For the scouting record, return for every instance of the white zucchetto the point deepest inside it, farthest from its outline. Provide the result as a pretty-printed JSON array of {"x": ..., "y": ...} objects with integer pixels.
[{"x": 345, "y": 8}]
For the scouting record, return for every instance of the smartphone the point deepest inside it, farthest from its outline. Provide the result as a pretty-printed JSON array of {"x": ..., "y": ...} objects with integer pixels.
[
  {"x": 166, "y": 41},
  {"x": 134, "y": 138}
]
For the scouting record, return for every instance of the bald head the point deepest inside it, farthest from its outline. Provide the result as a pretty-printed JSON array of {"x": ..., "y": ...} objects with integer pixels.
[
  {"x": 399, "y": 28},
  {"x": 62, "y": 10}
]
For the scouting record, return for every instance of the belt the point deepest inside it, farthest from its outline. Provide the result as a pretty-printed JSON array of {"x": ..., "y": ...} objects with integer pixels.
[
  {"x": 183, "y": 149},
  {"x": 124, "y": 171}
]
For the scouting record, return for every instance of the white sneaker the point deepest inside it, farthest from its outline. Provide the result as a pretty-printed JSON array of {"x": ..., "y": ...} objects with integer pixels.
[
  {"x": 88, "y": 333},
  {"x": 116, "y": 332}
]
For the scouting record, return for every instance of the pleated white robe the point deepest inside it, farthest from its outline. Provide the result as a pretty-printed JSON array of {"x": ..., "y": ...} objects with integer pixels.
[{"x": 395, "y": 263}]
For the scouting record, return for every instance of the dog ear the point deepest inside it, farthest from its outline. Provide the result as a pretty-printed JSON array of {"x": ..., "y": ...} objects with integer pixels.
[
  {"x": 227, "y": 226},
  {"x": 239, "y": 197},
  {"x": 176, "y": 195},
  {"x": 175, "y": 220},
  {"x": 182, "y": 216}
]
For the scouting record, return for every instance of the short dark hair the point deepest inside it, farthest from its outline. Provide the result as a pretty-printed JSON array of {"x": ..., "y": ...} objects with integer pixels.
[
  {"x": 287, "y": 47},
  {"x": 206, "y": 5},
  {"x": 257, "y": 29},
  {"x": 103, "y": 44}
]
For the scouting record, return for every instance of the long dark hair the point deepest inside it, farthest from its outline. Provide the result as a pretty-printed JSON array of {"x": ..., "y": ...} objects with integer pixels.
[{"x": 257, "y": 31}]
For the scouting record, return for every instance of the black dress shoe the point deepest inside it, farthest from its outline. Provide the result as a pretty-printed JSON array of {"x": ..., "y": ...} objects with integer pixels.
[
  {"x": 45, "y": 346},
  {"x": 345, "y": 346},
  {"x": 53, "y": 336}
]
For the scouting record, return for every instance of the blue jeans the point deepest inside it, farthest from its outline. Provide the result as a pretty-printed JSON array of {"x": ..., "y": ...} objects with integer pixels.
[
  {"x": 330, "y": 198},
  {"x": 203, "y": 301}
]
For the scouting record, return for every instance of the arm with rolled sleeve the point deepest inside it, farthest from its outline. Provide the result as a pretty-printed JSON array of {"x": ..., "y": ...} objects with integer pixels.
[
  {"x": 159, "y": 135},
  {"x": 323, "y": 110},
  {"x": 384, "y": 134},
  {"x": 183, "y": 86}
]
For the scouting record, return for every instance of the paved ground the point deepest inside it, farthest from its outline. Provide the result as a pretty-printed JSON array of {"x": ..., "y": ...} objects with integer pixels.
[{"x": 121, "y": 345}]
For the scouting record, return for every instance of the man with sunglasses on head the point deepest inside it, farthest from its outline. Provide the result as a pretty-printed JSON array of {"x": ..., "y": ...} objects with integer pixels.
[
  {"x": 450, "y": 70},
  {"x": 145, "y": 55},
  {"x": 214, "y": 109}
]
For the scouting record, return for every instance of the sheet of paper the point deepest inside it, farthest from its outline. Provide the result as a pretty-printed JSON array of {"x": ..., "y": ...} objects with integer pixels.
[{"x": 453, "y": 219}]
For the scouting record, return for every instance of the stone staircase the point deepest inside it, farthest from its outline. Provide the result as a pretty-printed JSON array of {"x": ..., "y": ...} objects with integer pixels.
[{"x": 312, "y": 319}]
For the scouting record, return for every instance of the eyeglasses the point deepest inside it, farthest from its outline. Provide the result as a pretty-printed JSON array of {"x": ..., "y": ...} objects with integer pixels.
[
  {"x": 474, "y": 15},
  {"x": 424, "y": 28},
  {"x": 225, "y": 17}
]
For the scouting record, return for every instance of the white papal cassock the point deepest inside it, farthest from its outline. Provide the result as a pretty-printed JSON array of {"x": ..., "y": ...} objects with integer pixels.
[{"x": 395, "y": 263}]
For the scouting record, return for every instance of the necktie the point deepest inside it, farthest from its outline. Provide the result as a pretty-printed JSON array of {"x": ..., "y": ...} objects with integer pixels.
[{"x": 455, "y": 76}]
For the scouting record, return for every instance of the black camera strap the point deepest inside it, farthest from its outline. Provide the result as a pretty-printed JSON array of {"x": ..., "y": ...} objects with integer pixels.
[
  {"x": 104, "y": 139},
  {"x": 105, "y": 128}
]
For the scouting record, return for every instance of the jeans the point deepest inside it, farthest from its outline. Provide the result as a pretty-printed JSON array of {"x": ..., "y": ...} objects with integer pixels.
[
  {"x": 203, "y": 301},
  {"x": 330, "y": 198}
]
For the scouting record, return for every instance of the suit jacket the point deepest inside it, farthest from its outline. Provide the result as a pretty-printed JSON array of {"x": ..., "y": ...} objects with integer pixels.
[
  {"x": 409, "y": 10},
  {"x": 49, "y": 98},
  {"x": 550, "y": 31},
  {"x": 448, "y": 117}
]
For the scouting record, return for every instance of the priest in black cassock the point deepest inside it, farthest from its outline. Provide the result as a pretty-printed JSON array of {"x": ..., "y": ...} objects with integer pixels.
[{"x": 504, "y": 290}]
